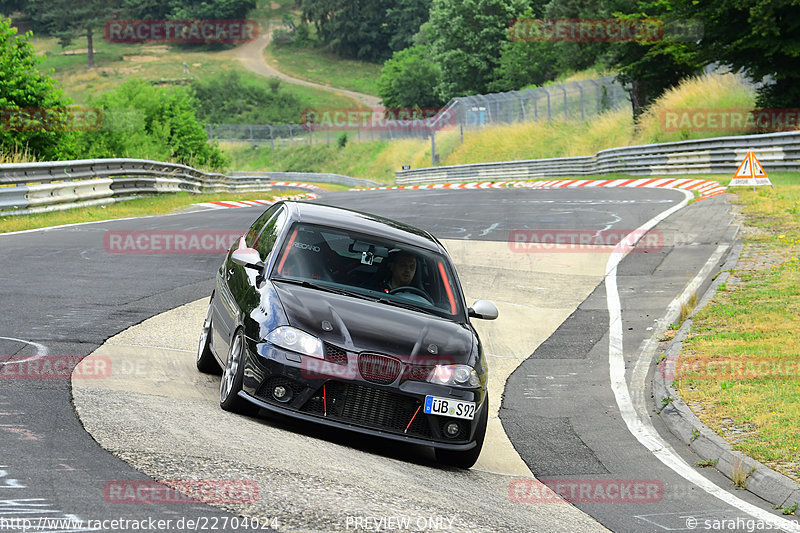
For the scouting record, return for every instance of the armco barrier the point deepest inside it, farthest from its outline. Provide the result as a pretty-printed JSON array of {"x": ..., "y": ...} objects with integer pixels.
[
  {"x": 36, "y": 187},
  {"x": 720, "y": 155}
]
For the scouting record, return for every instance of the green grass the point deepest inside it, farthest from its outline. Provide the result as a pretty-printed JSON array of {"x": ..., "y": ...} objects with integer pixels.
[
  {"x": 319, "y": 66},
  {"x": 361, "y": 160},
  {"x": 116, "y": 62},
  {"x": 741, "y": 362},
  {"x": 139, "y": 207}
]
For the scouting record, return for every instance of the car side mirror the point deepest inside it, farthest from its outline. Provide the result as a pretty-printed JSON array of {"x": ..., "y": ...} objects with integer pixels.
[
  {"x": 247, "y": 257},
  {"x": 483, "y": 309}
]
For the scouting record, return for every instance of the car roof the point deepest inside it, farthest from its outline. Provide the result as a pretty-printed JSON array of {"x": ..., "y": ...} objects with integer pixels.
[{"x": 339, "y": 217}]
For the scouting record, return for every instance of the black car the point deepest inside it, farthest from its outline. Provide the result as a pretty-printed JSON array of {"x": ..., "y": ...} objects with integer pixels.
[{"x": 350, "y": 320}]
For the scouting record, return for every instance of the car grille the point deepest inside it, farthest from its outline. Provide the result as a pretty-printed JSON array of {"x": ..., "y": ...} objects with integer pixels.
[
  {"x": 370, "y": 407},
  {"x": 377, "y": 368},
  {"x": 334, "y": 354}
]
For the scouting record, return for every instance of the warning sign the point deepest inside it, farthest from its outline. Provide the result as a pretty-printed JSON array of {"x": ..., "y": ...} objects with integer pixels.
[{"x": 750, "y": 173}]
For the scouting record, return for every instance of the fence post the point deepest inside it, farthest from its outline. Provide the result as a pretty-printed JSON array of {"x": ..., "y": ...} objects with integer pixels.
[
  {"x": 549, "y": 109},
  {"x": 580, "y": 89},
  {"x": 271, "y": 139},
  {"x": 566, "y": 117},
  {"x": 434, "y": 159},
  {"x": 597, "y": 86}
]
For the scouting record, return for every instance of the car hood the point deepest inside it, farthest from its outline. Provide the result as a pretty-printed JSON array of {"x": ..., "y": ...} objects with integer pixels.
[{"x": 362, "y": 325}]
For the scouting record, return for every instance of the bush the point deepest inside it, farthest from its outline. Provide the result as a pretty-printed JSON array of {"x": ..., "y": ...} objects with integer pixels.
[
  {"x": 143, "y": 121},
  {"x": 282, "y": 37},
  {"x": 230, "y": 98},
  {"x": 409, "y": 79}
]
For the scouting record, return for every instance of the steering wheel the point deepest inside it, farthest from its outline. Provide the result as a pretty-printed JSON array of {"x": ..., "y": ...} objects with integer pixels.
[{"x": 413, "y": 290}]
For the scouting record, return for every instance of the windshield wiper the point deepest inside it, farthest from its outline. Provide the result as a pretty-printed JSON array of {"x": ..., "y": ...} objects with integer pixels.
[
  {"x": 310, "y": 285},
  {"x": 405, "y": 306}
]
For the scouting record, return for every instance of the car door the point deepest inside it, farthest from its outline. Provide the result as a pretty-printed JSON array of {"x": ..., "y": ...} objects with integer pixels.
[{"x": 234, "y": 283}]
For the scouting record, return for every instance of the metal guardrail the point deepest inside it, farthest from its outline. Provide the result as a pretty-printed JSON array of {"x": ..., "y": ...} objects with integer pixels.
[
  {"x": 36, "y": 187},
  {"x": 307, "y": 176},
  {"x": 720, "y": 155}
]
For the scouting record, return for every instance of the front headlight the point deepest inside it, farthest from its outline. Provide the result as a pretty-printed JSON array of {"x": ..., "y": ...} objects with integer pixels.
[
  {"x": 457, "y": 375},
  {"x": 296, "y": 340}
]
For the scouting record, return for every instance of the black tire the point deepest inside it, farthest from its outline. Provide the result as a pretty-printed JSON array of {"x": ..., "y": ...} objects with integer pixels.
[
  {"x": 232, "y": 376},
  {"x": 206, "y": 362},
  {"x": 467, "y": 459}
]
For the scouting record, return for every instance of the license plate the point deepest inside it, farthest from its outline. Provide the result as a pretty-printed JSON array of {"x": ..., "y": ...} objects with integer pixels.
[{"x": 435, "y": 405}]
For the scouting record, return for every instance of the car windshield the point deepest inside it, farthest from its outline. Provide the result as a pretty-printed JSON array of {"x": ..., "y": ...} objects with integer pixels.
[{"x": 368, "y": 266}]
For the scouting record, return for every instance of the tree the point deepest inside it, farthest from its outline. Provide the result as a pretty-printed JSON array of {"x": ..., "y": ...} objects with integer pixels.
[
  {"x": 649, "y": 68},
  {"x": 469, "y": 35},
  {"x": 410, "y": 79},
  {"x": 352, "y": 28},
  {"x": 210, "y": 9},
  {"x": 404, "y": 19},
  {"x": 23, "y": 87},
  {"x": 761, "y": 37},
  {"x": 67, "y": 19}
]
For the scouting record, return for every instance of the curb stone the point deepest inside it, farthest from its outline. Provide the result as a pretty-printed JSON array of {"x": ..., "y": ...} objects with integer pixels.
[{"x": 775, "y": 488}]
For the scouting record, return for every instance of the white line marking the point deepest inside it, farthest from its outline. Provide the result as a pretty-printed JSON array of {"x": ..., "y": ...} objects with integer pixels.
[
  {"x": 641, "y": 427},
  {"x": 41, "y": 349}
]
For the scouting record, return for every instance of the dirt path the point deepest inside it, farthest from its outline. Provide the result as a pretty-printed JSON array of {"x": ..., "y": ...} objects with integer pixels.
[{"x": 252, "y": 57}]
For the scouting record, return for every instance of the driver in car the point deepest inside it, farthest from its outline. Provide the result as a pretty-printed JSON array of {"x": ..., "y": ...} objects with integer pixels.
[{"x": 402, "y": 267}]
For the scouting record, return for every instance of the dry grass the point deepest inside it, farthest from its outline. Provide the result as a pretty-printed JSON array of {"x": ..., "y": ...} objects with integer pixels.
[
  {"x": 16, "y": 157},
  {"x": 717, "y": 91}
]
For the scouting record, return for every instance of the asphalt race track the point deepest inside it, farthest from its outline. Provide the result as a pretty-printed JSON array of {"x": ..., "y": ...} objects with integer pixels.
[{"x": 576, "y": 410}]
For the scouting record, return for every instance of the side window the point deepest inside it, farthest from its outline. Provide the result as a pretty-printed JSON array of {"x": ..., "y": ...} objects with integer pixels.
[
  {"x": 258, "y": 225},
  {"x": 269, "y": 234}
]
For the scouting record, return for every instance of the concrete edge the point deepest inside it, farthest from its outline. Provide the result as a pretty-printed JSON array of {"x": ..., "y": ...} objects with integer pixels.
[{"x": 774, "y": 487}]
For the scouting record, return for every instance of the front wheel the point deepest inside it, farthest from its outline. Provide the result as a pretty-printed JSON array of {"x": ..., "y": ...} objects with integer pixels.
[
  {"x": 465, "y": 459},
  {"x": 206, "y": 362},
  {"x": 232, "y": 378}
]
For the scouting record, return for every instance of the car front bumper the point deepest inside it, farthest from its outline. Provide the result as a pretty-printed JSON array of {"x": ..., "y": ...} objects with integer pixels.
[{"x": 334, "y": 394}]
